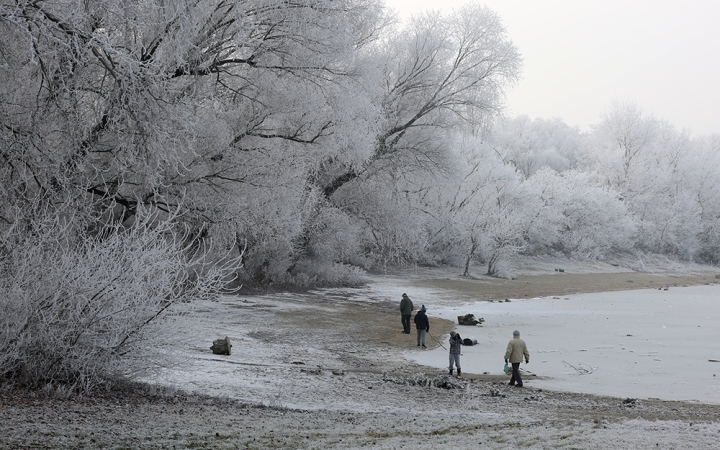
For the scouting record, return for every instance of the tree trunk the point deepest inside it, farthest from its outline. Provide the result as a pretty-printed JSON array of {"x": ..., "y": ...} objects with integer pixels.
[{"x": 470, "y": 255}]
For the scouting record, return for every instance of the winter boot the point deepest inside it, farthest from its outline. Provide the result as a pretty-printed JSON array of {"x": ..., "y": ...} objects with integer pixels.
[
  {"x": 450, "y": 371},
  {"x": 458, "y": 372}
]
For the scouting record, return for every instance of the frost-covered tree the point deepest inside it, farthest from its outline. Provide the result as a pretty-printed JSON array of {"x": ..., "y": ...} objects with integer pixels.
[
  {"x": 651, "y": 164},
  {"x": 530, "y": 145},
  {"x": 584, "y": 219},
  {"x": 484, "y": 210},
  {"x": 624, "y": 137},
  {"x": 707, "y": 178},
  {"x": 437, "y": 76},
  {"x": 206, "y": 117},
  {"x": 222, "y": 109},
  {"x": 474, "y": 213}
]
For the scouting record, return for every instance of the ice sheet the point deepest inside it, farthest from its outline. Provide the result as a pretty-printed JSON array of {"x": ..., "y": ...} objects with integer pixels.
[{"x": 637, "y": 344}]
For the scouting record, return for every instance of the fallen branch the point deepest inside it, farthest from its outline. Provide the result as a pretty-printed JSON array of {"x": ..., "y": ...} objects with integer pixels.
[
  {"x": 433, "y": 338},
  {"x": 582, "y": 368}
]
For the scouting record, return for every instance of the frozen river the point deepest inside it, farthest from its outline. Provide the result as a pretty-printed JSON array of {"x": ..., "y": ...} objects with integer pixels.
[{"x": 661, "y": 344}]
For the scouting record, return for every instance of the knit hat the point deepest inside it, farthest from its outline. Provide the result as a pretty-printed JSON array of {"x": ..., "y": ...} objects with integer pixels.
[
  {"x": 423, "y": 308},
  {"x": 404, "y": 295},
  {"x": 516, "y": 333},
  {"x": 452, "y": 334}
]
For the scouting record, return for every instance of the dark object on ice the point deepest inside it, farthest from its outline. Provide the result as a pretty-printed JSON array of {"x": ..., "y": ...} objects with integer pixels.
[
  {"x": 469, "y": 341},
  {"x": 469, "y": 319},
  {"x": 559, "y": 270},
  {"x": 221, "y": 346}
]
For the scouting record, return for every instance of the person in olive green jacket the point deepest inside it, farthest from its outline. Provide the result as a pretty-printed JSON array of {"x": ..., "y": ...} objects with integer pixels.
[{"x": 516, "y": 350}]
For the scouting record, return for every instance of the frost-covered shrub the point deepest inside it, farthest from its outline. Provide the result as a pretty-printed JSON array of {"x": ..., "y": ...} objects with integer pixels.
[
  {"x": 312, "y": 273},
  {"x": 79, "y": 310},
  {"x": 334, "y": 236},
  {"x": 266, "y": 262}
]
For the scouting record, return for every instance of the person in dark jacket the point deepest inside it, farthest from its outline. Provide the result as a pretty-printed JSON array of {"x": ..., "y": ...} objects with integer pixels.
[
  {"x": 455, "y": 343},
  {"x": 422, "y": 324},
  {"x": 406, "y": 309}
]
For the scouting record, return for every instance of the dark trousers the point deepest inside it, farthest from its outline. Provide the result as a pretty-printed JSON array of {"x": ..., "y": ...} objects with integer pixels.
[
  {"x": 406, "y": 323},
  {"x": 516, "y": 375}
]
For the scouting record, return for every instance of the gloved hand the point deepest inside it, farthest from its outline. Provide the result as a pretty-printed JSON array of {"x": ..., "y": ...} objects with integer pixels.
[
  {"x": 527, "y": 361},
  {"x": 506, "y": 361}
]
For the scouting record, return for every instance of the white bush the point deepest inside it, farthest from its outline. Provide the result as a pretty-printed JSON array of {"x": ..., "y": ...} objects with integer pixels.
[{"x": 79, "y": 312}]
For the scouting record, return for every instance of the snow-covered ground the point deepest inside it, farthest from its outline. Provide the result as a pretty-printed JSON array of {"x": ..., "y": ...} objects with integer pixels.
[
  {"x": 639, "y": 343},
  {"x": 646, "y": 343},
  {"x": 336, "y": 372}
]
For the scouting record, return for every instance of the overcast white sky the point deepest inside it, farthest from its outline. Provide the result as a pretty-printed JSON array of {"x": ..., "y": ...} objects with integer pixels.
[{"x": 580, "y": 55}]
